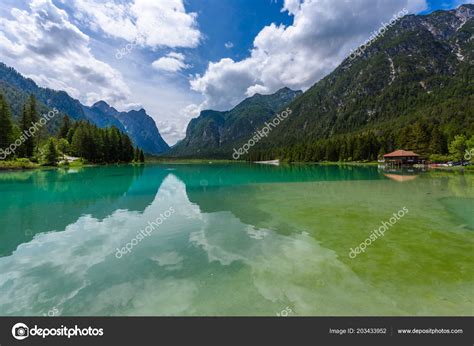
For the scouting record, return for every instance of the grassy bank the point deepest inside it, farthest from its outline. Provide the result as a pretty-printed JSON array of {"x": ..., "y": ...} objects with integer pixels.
[
  {"x": 23, "y": 164},
  {"x": 18, "y": 164}
]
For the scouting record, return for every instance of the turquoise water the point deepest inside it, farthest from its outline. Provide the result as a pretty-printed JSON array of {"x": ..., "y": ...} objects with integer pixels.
[{"x": 234, "y": 240}]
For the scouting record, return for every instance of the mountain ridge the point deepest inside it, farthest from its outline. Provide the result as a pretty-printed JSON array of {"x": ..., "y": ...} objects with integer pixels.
[
  {"x": 413, "y": 80},
  {"x": 418, "y": 73},
  {"x": 17, "y": 88},
  {"x": 214, "y": 133},
  {"x": 138, "y": 124}
]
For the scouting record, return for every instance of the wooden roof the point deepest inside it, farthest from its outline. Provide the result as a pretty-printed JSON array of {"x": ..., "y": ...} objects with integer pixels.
[{"x": 401, "y": 153}]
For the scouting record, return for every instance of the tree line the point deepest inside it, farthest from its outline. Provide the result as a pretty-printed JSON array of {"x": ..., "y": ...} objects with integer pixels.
[
  {"x": 10, "y": 132},
  {"x": 98, "y": 145},
  {"x": 427, "y": 140},
  {"x": 76, "y": 138}
]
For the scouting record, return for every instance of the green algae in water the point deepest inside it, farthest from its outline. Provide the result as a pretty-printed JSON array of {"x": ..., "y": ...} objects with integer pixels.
[{"x": 462, "y": 209}]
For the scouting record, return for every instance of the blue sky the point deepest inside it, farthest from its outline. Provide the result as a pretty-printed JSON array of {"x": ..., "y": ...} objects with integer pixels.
[
  {"x": 234, "y": 21},
  {"x": 187, "y": 55}
]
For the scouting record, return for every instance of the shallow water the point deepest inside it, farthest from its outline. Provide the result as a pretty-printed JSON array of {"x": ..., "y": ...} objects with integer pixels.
[{"x": 241, "y": 240}]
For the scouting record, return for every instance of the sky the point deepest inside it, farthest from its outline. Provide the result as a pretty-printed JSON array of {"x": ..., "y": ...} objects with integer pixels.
[{"x": 175, "y": 58}]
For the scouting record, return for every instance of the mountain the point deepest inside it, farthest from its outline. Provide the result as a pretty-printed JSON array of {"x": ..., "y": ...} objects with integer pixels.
[
  {"x": 413, "y": 81},
  {"x": 103, "y": 115},
  {"x": 215, "y": 134},
  {"x": 13, "y": 81},
  {"x": 137, "y": 124}
]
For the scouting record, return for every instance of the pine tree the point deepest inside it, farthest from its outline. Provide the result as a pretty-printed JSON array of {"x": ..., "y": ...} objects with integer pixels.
[
  {"x": 6, "y": 126},
  {"x": 127, "y": 149},
  {"x": 24, "y": 126},
  {"x": 52, "y": 154},
  {"x": 33, "y": 109},
  {"x": 421, "y": 138},
  {"x": 359, "y": 150},
  {"x": 437, "y": 142},
  {"x": 29, "y": 118},
  {"x": 405, "y": 139},
  {"x": 78, "y": 142},
  {"x": 142, "y": 156},
  {"x": 373, "y": 146},
  {"x": 100, "y": 145},
  {"x": 114, "y": 136},
  {"x": 65, "y": 127},
  {"x": 107, "y": 148},
  {"x": 70, "y": 133},
  {"x": 136, "y": 156}
]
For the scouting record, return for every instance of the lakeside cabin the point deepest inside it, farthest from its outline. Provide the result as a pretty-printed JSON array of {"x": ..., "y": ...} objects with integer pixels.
[{"x": 402, "y": 158}]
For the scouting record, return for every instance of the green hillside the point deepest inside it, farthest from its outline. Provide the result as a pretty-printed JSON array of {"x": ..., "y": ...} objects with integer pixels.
[{"x": 412, "y": 89}]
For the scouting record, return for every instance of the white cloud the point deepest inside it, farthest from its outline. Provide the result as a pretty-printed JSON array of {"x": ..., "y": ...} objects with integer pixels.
[
  {"x": 163, "y": 23},
  {"x": 228, "y": 45},
  {"x": 191, "y": 111},
  {"x": 172, "y": 62},
  {"x": 55, "y": 84},
  {"x": 171, "y": 104},
  {"x": 169, "y": 130},
  {"x": 51, "y": 46},
  {"x": 298, "y": 55},
  {"x": 292, "y": 6},
  {"x": 175, "y": 129},
  {"x": 43, "y": 44}
]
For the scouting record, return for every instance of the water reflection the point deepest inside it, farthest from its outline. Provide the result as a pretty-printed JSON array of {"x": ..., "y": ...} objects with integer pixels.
[
  {"x": 268, "y": 237},
  {"x": 221, "y": 175},
  {"x": 188, "y": 267},
  {"x": 401, "y": 178},
  {"x": 42, "y": 201}
]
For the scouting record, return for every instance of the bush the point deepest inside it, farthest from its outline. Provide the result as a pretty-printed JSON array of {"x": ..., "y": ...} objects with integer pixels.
[{"x": 437, "y": 158}]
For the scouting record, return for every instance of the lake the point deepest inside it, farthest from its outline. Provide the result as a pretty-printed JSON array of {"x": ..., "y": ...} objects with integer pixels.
[{"x": 236, "y": 239}]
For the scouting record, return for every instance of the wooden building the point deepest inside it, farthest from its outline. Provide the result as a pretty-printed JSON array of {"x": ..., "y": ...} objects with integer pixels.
[{"x": 402, "y": 158}]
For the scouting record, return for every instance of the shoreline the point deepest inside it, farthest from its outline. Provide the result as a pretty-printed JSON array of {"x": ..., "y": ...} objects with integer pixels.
[
  {"x": 23, "y": 165},
  {"x": 14, "y": 166}
]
